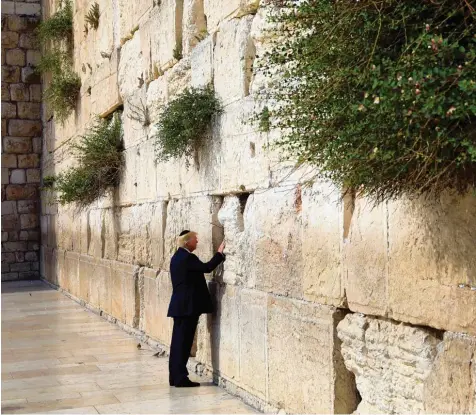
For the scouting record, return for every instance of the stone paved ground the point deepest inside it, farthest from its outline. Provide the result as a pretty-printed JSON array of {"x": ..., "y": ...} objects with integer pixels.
[{"x": 58, "y": 357}]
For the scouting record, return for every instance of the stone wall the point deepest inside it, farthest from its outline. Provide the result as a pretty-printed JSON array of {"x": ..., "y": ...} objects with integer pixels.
[
  {"x": 298, "y": 258},
  {"x": 21, "y": 141}
]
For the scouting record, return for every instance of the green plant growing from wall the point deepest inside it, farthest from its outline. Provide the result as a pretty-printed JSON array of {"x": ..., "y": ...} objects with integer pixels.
[
  {"x": 92, "y": 17},
  {"x": 379, "y": 95},
  {"x": 100, "y": 163},
  {"x": 184, "y": 123},
  {"x": 59, "y": 27},
  {"x": 56, "y": 36}
]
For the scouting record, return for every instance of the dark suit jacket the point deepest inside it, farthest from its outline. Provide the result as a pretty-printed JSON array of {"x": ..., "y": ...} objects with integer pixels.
[{"x": 190, "y": 295}]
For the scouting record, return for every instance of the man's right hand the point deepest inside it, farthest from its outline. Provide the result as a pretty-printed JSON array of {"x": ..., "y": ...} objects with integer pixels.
[{"x": 221, "y": 247}]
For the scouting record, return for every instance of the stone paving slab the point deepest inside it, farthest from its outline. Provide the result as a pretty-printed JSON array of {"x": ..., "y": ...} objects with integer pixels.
[{"x": 58, "y": 357}]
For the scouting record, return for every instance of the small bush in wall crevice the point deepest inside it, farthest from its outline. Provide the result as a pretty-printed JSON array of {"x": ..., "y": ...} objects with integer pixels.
[
  {"x": 92, "y": 17},
  {"x": 184, "y": 123},
  {"x": 100, "y": 157}
]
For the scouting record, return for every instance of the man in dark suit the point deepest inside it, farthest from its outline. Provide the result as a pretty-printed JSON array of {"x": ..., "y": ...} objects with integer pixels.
[{"x": 190, "y": 298}]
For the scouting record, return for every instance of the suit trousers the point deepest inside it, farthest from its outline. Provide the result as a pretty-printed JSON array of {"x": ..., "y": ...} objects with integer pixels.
[{"x": 182, "y": 339}]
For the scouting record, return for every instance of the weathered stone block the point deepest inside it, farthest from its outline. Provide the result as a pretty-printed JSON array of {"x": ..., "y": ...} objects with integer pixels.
[
  {"x": 216, "y": 10},
  {"x": 8, "y": 257},
  {"x": 31, "y": 256},
  {"x": 10, "y": 222},
  {"x": 33, "y": 176},
  {"x": 5, "y": 92},
  {"x": 95, "y": 231},
  {"x": 19, "y": 256},
  {"x": 28, "y": 41},
  {"x": 217, "y": 343},
  {"x": 28, "y": 160},
  {"x": 9, "y": 110},
  {"x": 253, "y": 342},
  {"x": 29, "y": 221},
  {"x": 9, "y": 208},
  {"x": 233, "y": 59},
  {"x": 8, "y": 7},
  {"x": 15, "y": 57},
  {"x": 9, "y": 39},
  {"x": 146, "y": 182},
  {"x": 19, "y": 92},
  {"x": 9, "y": 276},
  {"x": 17, "y": 145},
  {"x": 17, "y": 176},
  {"x": 157, "y": 96},
  {"x": 435, "y": 272},
  {"x": 24, "y": 128},
  {"x": 29, "y": 110},
  {"x": 366, "y": 259},
  {"x": 450, "y": 387},
  {"x": 125, "y": 300},
  {"x": 302, "y": 357},
  {"x": 130, "y": 70},
  {"x": 194, "y": 24},
  {"x": 9, "y": 160},
  {"x": 21, "y": 192},
  {"x": 28, "y": 206},
  {"x": 14, "y": 246},
  {"x": 23, "y": 266},
  {"x": 321, "y": 242},
  {"x": 10, "y": 74},
  {"x": 35, "y": 93},
  {"x": 37, "y": 146},
  {"x": 5, "y": 176},
  {"x": 22, "y": 23},
  {"x": 157, "y": 294},
  {"x": 202, "y": 62}
]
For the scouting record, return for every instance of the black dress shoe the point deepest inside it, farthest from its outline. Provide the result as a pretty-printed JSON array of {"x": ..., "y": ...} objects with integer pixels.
[{"x": 186, "y": 383}]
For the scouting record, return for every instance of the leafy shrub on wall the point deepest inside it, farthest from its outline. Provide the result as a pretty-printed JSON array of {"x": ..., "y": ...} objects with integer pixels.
[
  {"x": 379, "y": 95},
  {"x": 184, "y": 123},
  {"x": 100, "y": 163},
  {"x": 56, "y": 38}
]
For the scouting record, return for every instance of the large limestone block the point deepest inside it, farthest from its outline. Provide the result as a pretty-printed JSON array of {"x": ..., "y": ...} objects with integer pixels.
[
  {"x": 124, "y": 293},
  {"x": 146, "y": 175},
  {"x": 243, "y": 160},
  {"x": 132, "y": 14},
  {"x": 110, "y": 232},
  {"x": 179, "y": 77},
  {"x": 126, "y": 193},
  {"x": 366, "y": 259},
  {"x": 125, "y": 234},
  {"x": 157, "y": 229},
  {"x": 217, "y": 10},
  {"x": 169, "y": 33},
  {"x": 233, "y": 60},
  {"x": 433, "y": 266},
  {"x": 275, "y": 225},
  {"x": 194, "y": 214},
  {"x": 157, "y": 96},
  {"x": 451, "y": 386},
  {"x": 135, "y": 118},
  {"x": 141, "y": 219},
  {"x": 103, "y": 104},
  {"x": 241, "y": 241},
  {"x": 302, "y": 355},
  {"x": 401, "y": 368},
  {"x": 49, "y": 261},
  {"x": 95, "y": 224},
  {"x": 218, "y": 340},
  {"x": 130, "y": 71},
  {"x": 87, "y": 269},
  {"x": 157, "y": 293},
  {"x": 321, "y": 243},
  {"x": 194, "y": 24},
  {"x": 253, "y": 342},
  {"x": 202, "y": 62},
  {"x": 71, "y": 273},
  {"x": 100, "y": 294}
]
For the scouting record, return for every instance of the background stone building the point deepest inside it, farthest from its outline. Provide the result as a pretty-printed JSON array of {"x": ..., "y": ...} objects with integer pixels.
[
  {"x": 21, "y": 141},
  {"x": 322, "y": 305}
]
